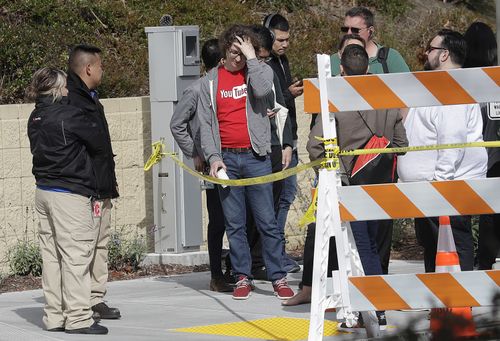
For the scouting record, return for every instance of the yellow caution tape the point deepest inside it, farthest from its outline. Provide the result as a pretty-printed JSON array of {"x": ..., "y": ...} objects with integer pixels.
[
  {"x": 310, "y": 215},
  {"x": 156, "y": 155},
  {"x": 399, "y": 150},
  {"x": 330, "y": 162},
  {"x": 249, "y": 181}
]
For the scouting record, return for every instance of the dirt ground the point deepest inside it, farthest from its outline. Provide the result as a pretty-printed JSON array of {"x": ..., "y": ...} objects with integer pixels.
[{"x": 20, "y": 283}]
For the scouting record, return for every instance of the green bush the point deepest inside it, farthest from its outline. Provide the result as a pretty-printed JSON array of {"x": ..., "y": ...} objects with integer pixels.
[
  {"x": 125, "y": 253},
  {"x": 25, "y": 259},
  {"x": 40, "y": 33}
]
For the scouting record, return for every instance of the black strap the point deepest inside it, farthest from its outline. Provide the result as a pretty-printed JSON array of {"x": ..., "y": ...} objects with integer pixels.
[
  {"x": 382, "y": 55},
  {"x": 366, "y": 124}
]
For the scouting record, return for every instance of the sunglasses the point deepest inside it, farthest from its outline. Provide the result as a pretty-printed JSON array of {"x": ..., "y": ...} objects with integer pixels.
[
  {"x": 354, "y": 30},
  {"x": 432, "y": 48}
]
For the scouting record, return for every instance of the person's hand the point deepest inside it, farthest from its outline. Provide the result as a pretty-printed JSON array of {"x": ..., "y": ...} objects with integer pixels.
[
  {"x": 286, "y": 157},
  {"x": 199, "y": 164},
  {"x": 215, "y": 166},
  {"x": 246, "y": 47},
  {"x": 296, "y": 88},
  {"x": 271, "y": 113}
]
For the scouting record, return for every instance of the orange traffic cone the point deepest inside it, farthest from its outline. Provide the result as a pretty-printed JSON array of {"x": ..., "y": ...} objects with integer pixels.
[{"x": 456, "y": 320}]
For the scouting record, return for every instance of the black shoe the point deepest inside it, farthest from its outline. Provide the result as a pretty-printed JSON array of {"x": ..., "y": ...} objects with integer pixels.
[
  {"x": 93, "y": 329},
  {"x": 229, "y": 277},
  {"x": 218, "y": 284},
  {"x": 260, "y": 273},
  {"x": 56, "y": 329},
  {"x": 102, "y": 311},
  {"x": 382, "y": 320}
]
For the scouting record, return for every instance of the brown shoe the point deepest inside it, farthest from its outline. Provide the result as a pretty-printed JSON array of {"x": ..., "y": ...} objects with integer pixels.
[{"x": 220, "y": 285}]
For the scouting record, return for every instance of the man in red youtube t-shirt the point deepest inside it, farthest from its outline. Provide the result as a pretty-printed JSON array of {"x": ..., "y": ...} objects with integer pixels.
[{"x": 236, "y": 139}]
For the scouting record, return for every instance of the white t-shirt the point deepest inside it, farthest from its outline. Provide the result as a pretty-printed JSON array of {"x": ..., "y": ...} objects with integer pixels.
[{"x": 441, "y": 125}]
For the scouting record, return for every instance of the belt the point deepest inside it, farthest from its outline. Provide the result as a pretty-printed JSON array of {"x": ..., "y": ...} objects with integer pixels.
[{"x": 237, "y": 150}]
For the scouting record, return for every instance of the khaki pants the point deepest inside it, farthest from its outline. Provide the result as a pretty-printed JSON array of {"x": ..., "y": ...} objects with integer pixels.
[
  {"x": 99, "y": 265},
  {"x": 68, "y": 234}
]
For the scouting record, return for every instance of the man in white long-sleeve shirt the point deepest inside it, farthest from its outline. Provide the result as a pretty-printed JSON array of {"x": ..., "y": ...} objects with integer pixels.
[{"x": 441, "y": 125}]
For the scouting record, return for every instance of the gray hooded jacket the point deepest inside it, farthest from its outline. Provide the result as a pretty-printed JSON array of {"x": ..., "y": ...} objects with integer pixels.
[{"x": 260, "y": 97}]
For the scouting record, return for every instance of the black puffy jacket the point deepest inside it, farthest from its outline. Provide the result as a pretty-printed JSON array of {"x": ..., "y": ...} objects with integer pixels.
[
  {"x": 64, "y": 141},
  {"x": 104, "y": 164}
]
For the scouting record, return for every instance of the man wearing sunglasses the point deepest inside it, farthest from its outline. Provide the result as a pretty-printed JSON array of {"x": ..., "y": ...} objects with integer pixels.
[
  {"x": 442, "y": 125},
  {"x": 360, "y": 21}
]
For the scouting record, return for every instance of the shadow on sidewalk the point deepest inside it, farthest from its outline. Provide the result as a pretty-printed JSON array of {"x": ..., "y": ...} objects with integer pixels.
[{"x": 32, "y": 315}]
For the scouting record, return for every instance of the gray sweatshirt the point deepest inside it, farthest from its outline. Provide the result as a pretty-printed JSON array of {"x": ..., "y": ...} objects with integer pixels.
[
  {"x": 184, "y": 125},
  {"x": 260, "y": 97}
]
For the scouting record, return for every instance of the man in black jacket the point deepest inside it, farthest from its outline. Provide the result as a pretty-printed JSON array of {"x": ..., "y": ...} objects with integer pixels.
[
  {"x": 279, "y": 27},
  {"x": 84, "y": 75}
]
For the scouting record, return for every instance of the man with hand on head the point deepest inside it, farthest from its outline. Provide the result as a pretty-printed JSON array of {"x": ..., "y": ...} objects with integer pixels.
[{"x": 236, "y": 140}]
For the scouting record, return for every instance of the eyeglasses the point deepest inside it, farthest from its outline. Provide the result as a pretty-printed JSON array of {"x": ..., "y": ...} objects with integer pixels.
[
  {"x": 265, "y": 59},
  {"x": 432, "y": 48},
  {"x": 354, "y": 30}
]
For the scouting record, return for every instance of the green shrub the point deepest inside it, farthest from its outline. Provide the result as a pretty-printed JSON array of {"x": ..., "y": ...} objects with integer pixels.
[
  {"x": 39, "y": 33},
  {"x": 25, "y": 259},
  {"x": 126, "y": 253}
]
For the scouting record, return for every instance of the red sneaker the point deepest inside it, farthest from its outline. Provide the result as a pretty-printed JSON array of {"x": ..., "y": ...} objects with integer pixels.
[
  {"x": 243, "y": 288},
  {"x": 282, "y": 290}
]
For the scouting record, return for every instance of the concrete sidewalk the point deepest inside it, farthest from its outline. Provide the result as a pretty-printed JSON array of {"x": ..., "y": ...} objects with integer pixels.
[{"x": 153, "y": 308}]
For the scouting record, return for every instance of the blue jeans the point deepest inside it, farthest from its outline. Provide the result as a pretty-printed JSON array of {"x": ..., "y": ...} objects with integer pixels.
[
  {"x": 365, "y": 235},
  {"x": 288, "y": 191},
  {"x": 260, "y": 200}
]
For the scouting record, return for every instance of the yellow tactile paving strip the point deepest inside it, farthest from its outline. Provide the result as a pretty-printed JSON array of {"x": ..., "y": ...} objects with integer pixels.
[{"x": 275, "y": 328}]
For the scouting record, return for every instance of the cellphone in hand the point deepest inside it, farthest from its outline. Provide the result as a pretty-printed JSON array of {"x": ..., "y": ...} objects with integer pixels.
[{"x": 275, "y": 110}]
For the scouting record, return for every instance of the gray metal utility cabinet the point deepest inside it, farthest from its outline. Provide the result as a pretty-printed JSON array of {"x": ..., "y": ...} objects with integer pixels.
[{"x": 174, "y": 63}]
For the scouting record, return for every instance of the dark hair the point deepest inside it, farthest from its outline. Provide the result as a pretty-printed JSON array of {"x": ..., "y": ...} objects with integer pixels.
[
  {"x": 362, "y": 12},
  {"x": 46, "y": 81},
  {"x": 76, "y": 60},
  {"x": 455, "y": 43},
  {"x": 354, "y": 60},
  {"x": 264, "y": 36},
  {"x": 481, "y": 46},
  {"x": 276, "y": 22},
  {"x": 228, "y": 37},
  {"x": 210, "y": 53},
  {"x": 347, "y": 37}
]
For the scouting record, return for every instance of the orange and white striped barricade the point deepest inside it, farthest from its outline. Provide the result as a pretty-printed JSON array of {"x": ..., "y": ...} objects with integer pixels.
[
  {"x": 338, "y": 205},
  {"x": 405, "y": 90},
  {"x": 328, "y": 225},
  {"x": 422, "y": 291}
]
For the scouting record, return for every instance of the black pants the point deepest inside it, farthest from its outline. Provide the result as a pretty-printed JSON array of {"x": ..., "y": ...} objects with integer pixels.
[
  {"x": 252, "y": 234},
  {"x": 426, "y": 230},
  {"x": 307, "y": 273},
  {"x": 489, "y": 232},
  {"x": 215, "y": 231},
  {"x": 384, "y": 242}
]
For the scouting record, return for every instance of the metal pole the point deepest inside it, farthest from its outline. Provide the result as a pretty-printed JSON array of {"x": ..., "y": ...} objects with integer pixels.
[{"x": 498, "y": 30}]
